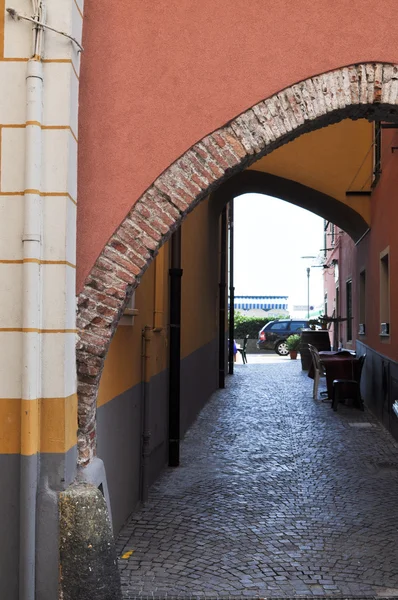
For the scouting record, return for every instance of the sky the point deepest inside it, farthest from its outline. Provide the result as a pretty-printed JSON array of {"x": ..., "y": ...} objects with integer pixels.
[{"x": 271, "y": 236}]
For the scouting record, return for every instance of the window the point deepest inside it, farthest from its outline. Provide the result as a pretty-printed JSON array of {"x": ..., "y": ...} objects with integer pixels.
[
  {"x": 129, "y": 312},
  {"x": 362, "y": 301},
  {"x": 384, "y": 292},
  {"x": 326, "y": 304},
  {"x": 280, "y": 326},
  {"x": 296, "y": 325},
  {"x": 337, "y": 339},
  {"x": 349, "y": 309},
  {"x": 332, "y": 230},
  {"x": 325, "y": 237}
]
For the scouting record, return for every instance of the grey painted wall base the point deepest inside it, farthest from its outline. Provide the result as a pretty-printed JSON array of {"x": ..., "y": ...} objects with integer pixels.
[
  {"x": 57, "y": 471},
  {"x": 54, "y": 473},
  {"x": 9, "y": 525},
  {"x": 119, "y": 448},
  {"x": 119, "y": 430},
  {"x": 199, "y": 379},
  {"x": 379, "y": 386}
]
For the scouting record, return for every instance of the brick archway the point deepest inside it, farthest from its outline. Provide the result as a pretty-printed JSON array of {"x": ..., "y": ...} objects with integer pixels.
[{"x": 361, "y": 91}]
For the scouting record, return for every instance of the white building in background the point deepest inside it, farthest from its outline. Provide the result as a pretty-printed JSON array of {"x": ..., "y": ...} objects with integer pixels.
[
  {"x": 262, "y": 306},
  {"x": 265, "y": 303}
]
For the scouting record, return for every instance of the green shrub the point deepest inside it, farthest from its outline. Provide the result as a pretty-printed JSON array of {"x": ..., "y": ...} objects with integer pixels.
[
  {"x": 293, "y": 342},
  {"x": 250, "y": 325}
]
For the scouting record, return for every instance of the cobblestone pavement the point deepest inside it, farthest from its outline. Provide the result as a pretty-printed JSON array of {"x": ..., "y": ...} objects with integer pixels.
[{"x": 276, "y": 496}]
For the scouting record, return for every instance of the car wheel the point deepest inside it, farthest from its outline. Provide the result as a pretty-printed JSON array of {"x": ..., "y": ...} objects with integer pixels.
[{"x": 281, "y": 348}]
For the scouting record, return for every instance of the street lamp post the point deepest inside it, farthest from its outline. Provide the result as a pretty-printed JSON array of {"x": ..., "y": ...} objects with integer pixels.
[{"x": 308, "y": 292}]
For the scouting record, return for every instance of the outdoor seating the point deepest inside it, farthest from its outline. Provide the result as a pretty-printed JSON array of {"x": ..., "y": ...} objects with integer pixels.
[
  {"x": 319, "y": 371},
  {"x": 243, "y": 349},
  {"x": 349, "y": 388}
]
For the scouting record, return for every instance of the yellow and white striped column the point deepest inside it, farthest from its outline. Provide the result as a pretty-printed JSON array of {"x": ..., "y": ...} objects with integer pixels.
[{"x": 38, "y": 197}]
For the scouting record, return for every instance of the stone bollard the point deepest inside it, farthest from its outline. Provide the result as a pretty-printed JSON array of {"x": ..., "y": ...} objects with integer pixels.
[{"x": 88, "y": 562}]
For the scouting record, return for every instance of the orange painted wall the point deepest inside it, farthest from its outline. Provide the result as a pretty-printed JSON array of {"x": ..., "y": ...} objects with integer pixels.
[
  {"x": 158, "y": 76},
  {"x": 199, "y": 292},
  {"x": 331, "y": 160},
  {"x": 199, "y": 307},
  {"x": 122, "y": 368}
]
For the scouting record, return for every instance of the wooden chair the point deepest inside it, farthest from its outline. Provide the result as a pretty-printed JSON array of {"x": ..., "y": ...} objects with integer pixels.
[
  {"x": 243, "y": 349},
  {"x": 319, "y": 371},
  {"x": 340, "y": 387}
]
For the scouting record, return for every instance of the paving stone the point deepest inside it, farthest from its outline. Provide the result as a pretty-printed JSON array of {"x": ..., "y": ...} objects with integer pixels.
[{"x": 277, "y": 495}]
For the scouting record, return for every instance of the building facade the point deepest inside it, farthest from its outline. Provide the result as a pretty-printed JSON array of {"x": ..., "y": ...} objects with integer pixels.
[{"x": 116, "y": 165}]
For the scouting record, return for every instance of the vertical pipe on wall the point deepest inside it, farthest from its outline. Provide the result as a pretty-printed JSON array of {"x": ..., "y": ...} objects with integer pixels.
[
  {"x": 31, "y": 350},
  {"x": 145, "y": 416},
  {"x": 231, "y": 289},
  {"x": 222, "y": 300},
  {"x": 175, "y": 273}
]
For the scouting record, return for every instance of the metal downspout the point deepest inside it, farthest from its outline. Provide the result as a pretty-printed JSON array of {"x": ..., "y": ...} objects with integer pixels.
[
  {"x": 222, "y": 300},
  {"x": 31, "y": 318},
  {"x": 145, "y": 418},
  {"x": 175, "y": 273},
  {"x": 231, "y": 289}
]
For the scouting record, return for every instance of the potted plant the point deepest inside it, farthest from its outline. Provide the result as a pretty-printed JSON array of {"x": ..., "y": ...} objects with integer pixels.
[{"x": 293, "y": 345}]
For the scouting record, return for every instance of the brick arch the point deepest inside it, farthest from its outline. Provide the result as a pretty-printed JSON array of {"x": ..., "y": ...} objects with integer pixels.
[{"x": 361, "y": 91}]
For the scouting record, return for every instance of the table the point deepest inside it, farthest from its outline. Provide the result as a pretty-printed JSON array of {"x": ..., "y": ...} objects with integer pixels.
[{"x": 339, "y": 365}]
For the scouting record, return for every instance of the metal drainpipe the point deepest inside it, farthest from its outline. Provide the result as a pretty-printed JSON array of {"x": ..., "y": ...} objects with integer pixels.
[
  {"x": 222, "y": 300},
  {"x": 175, "y": 273},
  {"x": 31, "y": 314},
  {"x": 31, "y": 350},
  {"x": 145, "y": 418},
  {"x": 231, "y": 289}
]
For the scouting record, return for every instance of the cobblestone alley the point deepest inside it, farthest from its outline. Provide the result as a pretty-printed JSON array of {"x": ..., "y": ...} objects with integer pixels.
[{"x": 277, "y": 495}]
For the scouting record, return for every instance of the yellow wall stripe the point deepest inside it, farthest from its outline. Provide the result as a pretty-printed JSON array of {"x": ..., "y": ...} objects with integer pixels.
[
  {"x": 23, "y": 433},
  {"x": 60, "y": 127},
  {"x": 34, "y": 330},
  {"x": 79, "y": 9},
  {"x": 59, "y": 195},
  {"x": 10, "y": 426},
  {"x": 62, "y": 60},
  {"x": 13, "y": 58},
  {"x": 44, "y": 194},
  {"x": 58, "y": 423},
  {"x": 25, "y": 59},
  {"x": 29, "y": 432},
  {"x": 38, "y": 124},
  {"x": 36, "y": 261}
]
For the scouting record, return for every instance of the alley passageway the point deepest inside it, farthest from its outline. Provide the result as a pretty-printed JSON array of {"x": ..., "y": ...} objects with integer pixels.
[{"x": 276, "y": 495}]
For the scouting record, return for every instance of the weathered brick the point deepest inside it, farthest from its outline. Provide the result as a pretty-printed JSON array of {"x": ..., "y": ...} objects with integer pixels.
[
  {"x": 117, "y": 245},
  {"x": 145, "y": 226},
  {"x": 121, "y": 261}
]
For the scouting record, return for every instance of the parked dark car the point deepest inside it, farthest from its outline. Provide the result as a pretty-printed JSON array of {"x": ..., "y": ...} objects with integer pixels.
[{"x": 274, "y": 334}]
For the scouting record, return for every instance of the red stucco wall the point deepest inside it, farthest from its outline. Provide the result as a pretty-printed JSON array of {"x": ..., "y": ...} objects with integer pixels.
[
  {"x": 382, "y": 234},
  {"x": 158, "y": 76}
]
